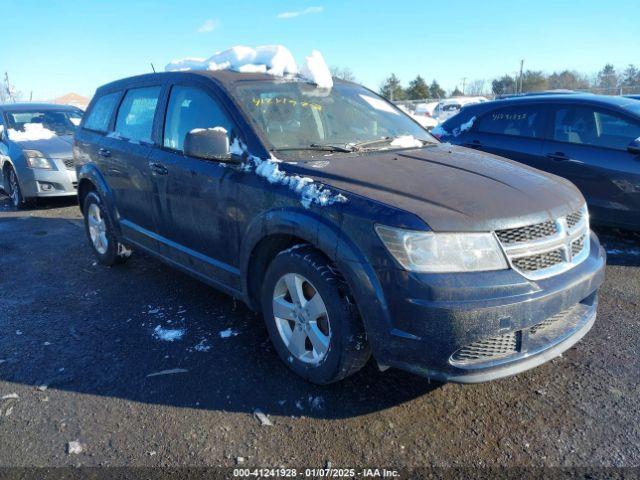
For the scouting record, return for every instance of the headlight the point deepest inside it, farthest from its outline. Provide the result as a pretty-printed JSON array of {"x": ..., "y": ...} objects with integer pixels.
[
  {"x": 35, "y": 159},
  {"x": 443, "y": 252}
]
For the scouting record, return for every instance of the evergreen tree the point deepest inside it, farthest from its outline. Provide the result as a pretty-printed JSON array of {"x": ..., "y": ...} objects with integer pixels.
[
  {"x": 456, "y": 92},
  {"x": 435, "y": 91},
  {"x": 631, "y": 77},
  {"x": 392, "y": 90},
  {"x": 503, "y": 85},
  {"x": 534, "y": 81},
  {"x": 418, "y": 89},
  {"x": 608, "y": 80}
]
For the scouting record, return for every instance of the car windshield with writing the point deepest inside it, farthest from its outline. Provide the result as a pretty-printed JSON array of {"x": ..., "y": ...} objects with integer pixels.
[{"x": 296, "y": 119}]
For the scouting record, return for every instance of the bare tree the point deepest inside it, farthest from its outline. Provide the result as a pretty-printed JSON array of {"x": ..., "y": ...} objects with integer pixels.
[
  {"x": 475, "y": 88},
  {"x": 343, "y": 73}
]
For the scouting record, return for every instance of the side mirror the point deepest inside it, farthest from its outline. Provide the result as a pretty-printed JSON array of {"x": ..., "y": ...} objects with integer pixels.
[
  {"x": 208, "y": 143},
  {"x": 634, "y": 146}
]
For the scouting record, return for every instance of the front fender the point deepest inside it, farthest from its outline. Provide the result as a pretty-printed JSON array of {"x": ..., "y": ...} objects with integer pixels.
[{"x": 90, "y": 173}]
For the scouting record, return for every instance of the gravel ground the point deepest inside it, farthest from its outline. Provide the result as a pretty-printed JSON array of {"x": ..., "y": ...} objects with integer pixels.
[{"x": 79, "y": 344}]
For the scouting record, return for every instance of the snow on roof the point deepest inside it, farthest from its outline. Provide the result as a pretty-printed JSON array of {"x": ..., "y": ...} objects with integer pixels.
[
  {"x": 272, "y": 59},
  {"x": 32, "y": 131}
]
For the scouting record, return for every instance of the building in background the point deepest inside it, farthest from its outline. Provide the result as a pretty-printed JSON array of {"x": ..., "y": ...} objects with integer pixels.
[{"x": 72, "y": 99}]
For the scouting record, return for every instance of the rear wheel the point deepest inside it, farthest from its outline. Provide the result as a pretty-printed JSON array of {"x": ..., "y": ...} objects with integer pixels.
[
  {"x": 311, "y": 320},
  {"x": 106, "y": 247}
]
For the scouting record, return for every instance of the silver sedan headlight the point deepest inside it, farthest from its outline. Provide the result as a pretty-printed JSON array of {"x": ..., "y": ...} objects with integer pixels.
[
  {"x": 36, "y": 159},
  {"x": 443, "y": 252}
]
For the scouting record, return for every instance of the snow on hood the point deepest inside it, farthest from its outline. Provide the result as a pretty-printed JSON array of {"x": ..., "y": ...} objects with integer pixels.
[
  {"x": 406, "y": 141},
  {"x": 310, "y": 192},
  {"x": 32, "y": 131},
  {"x": 272, "y": 59}
]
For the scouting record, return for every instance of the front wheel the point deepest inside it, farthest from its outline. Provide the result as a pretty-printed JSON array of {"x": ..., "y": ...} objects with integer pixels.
[
  {"x": 104, "y": 243},
  {"x": 14, "y": 191},
  {"x": 311, "y": 320}
]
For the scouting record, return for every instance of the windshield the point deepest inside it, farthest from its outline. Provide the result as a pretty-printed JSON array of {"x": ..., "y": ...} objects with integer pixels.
[
  {"x": 41, "y": 123},
  {"x": 297, "y": 116}
]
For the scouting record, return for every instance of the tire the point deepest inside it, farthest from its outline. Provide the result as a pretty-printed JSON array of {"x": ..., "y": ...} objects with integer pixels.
[
  {"x": 107, "y": 249},
  {"x": 15, "y": 192},
  {"x": 343, "y": 347}
]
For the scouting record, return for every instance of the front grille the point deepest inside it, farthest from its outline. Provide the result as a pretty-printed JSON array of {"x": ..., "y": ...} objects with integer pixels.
[
  {"x": 574, "y": 218},
  {"x": 544, "y": 249},
  {"x": 69, "y": 163},
  {"x": 578, "y": 245},
  {"x": 488, "y": 348},
  {"x": 533, "y": 263},
  {"x": 528, "y": 233}
]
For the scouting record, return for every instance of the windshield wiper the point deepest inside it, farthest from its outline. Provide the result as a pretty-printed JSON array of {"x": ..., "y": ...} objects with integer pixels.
[
  {"x": 370, "y": 143},
  {"x": 317, "y": 147}
]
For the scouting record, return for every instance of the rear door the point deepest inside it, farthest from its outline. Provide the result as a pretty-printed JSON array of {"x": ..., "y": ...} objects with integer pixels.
[
  {"x": 588, "y": 145},
  {"x": 195, "y": 195},
  {"x": 515, "y": 131},
  {"x": 125, "y": 153}
]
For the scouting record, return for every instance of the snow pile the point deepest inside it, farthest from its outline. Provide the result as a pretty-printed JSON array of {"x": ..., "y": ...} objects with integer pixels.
[
  {"x": 229, "y": 332},
  {"x": 167, "y": 334},
  {"x": 316, "y": 71},
  {"x": 310, "y": 191},
  {"x": 406, "y": 141},
  {"x": 439, "y": 131},
  {"x": 272, "y": 59},
  {"x": 32, "y": 131}
]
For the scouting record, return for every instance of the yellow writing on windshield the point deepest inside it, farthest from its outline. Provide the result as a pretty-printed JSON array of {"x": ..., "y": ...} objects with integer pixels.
[{"x": 282, "y": 101}]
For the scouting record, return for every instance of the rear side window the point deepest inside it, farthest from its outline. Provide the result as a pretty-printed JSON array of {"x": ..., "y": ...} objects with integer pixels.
[
  {"x": 586, "y": 126},
  {"x": 190, "y": 108},
  {"x": 100, "y": 114},
  {"x": 135, "y": 116},
  {"x": 520, "y": 121}
]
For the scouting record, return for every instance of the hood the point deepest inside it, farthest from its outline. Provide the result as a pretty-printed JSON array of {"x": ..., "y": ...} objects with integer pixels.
[
  {"x": 451, "y": 188},
  {"x": 54, "y": 147}
]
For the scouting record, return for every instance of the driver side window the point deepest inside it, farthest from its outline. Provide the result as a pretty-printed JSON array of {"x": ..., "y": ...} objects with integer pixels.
[{"x": 190, "y": 108}]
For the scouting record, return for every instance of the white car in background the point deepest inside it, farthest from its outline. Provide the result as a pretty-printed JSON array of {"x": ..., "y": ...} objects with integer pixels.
[
  {"x": 423, "y": 114},
  {"x": 451, "y": 106}
]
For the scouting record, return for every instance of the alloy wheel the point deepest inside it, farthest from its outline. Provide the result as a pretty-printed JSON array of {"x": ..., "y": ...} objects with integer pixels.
[
  {"x": 97, "y": 229},
  {"x": 14, "y": 188},
  {"x": 301, "y": 318}
]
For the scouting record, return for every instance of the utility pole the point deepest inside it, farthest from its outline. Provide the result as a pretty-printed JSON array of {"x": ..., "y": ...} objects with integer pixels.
[
  {"x": 521, "y": 67},
  {"x": 7, "y": 85},
  {"x": 464, "y": 82}
]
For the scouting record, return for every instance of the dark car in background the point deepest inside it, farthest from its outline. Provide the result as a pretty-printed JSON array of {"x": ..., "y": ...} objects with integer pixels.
[
  {"x": 592, "y": 140},
  {"x": 343, "y": 221},
  {"x": 35, "y": 151}
]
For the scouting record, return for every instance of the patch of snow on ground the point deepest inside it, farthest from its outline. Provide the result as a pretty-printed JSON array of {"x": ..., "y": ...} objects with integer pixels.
[
  {"x": 203, "y": 346},
  {"x": 316, "y": 70},
  {"x": 273, "y": 59},
  {"x": 32, "y": 131},
  {"x": 229, "y": 332},
  {"x": 168, "y": 334},
  {"x": 406, "y": 141}
]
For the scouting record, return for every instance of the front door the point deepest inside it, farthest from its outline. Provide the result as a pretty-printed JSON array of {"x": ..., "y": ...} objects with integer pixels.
[
  {"x": 195, "y": 195},
  {"x": 125, "y": 154}
]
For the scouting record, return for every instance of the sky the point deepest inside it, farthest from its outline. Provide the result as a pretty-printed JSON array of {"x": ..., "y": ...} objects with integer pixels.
[{"x": 52, "y": 47}]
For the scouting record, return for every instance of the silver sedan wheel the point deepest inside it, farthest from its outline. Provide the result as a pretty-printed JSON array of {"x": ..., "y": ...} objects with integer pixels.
[
  {"x": 97, "y": 229},
  {"x": 301, "y": 318},
  {"x": 14, "y": 188}
]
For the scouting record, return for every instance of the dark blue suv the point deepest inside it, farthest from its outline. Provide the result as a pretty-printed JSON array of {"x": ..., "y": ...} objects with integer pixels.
[
  {"x": 592, "y": 140},
  {"x": 344, "y": 222}
]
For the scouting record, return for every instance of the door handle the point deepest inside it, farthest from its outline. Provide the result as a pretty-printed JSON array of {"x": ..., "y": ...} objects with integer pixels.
[
  {"x": 103, "y": 152},
  {"x": 558, "y": 156},
  {"x": 158, "y": 168}
]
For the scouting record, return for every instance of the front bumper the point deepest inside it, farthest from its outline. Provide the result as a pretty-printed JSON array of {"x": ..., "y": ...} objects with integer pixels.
[
  {"x": 49, "y": 183},
  {"x": 433, "y": 318}
]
